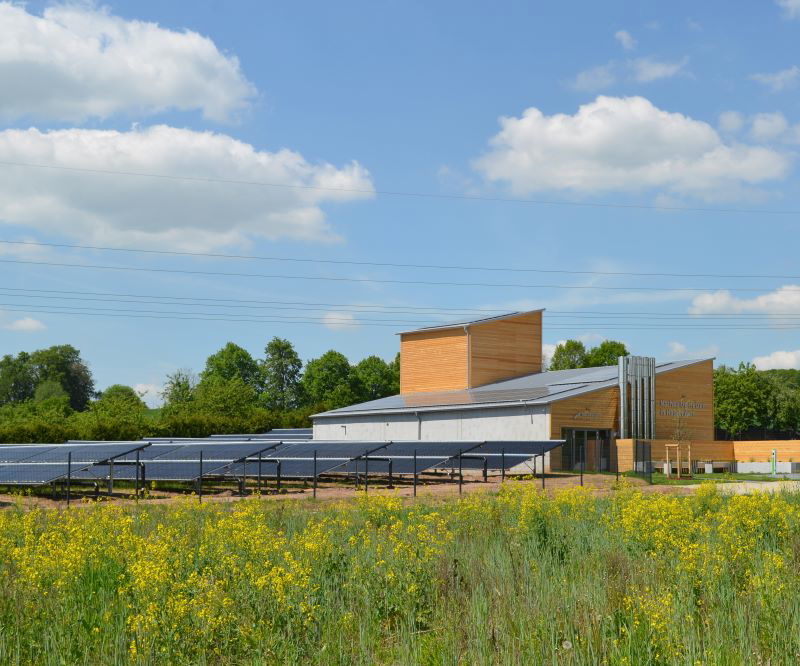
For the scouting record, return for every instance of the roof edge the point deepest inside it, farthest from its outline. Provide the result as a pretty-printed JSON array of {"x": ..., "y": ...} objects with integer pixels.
[{"x": 486, "y": 320}]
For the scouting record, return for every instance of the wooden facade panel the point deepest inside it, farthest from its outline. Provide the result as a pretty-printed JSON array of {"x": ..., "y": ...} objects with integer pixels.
[
  {"x": 685, "y": 403},
  {"x": 596, "y": 410},
  {"x": 761, "y": 451},
  {"x": 433, "y": 361},
  {"x": 705, "y": 450},
  {"x": 505, "y": 348}
]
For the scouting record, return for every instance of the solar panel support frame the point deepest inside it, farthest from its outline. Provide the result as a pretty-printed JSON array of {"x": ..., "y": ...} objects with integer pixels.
[
  {"x": 69, "y": 473},
  {"x": 415, "y": 472},
  {"x": 460, "y": 474},
  {"x": 200, "y": 479},
  {"x": 137, "y": 475},
  {"x": 503, "y": 465},
  {"x": 314, "y": 491}
]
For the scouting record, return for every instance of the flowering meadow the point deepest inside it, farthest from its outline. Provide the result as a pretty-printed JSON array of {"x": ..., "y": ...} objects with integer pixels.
[{"x": 514, "y": 577}]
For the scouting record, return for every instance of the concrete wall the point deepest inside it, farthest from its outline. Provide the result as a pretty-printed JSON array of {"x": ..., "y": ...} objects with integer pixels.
[{"x": 513, "y": 423}]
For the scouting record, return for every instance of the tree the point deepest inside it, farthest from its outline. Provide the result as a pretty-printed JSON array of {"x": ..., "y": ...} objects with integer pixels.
[
  {"x": 281, "y": 375},
  {"x": 228, "y": 398},
  {"x": 63, "y": 363},
  {"x": 119, "y": 397},
  {"x": 329, "y": 380},
  {"x": 743, "y": 398},
  {"x": 49, "y": 389},
  {"x": 233, "y": 361},
  {"x": 568, "y": 355},
  {"x": 606, "y": 353},
  {"x": 179, "y": 389},
  {"x": 376, "y": 377},
  {"x": 17, "y": 378}
]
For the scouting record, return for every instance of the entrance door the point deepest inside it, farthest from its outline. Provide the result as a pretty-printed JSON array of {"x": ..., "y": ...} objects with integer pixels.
[{"x": 590, "y": 447}]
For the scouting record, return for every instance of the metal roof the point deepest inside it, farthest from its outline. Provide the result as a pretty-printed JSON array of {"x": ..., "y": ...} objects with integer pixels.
[
  {"x": 470, "y": 322},
  {"x": 541, "y": 388}
]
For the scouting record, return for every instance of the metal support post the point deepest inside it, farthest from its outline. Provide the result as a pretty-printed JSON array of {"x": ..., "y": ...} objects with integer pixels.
[
  {"x": 460, "y": 475},
  {"x": 200, "y": 480},
  {"x": 503, "y": 465},
  {"x": 415, "y": 472},
  {"x": 110, "y": 484},
  {"x": 315, "y": 473},
  {"x": 259, "y": 474},
  {"x": 69, "y": 473},
  {"x": 244, "y": 477},
  {"x": 138, "y": 470},
  {"x": 278, "y": 485},
  {"x": 366, "y": 474},
  {"x": 485, "y": 470},
  {"x": 390, "y": 474},
  {"x": 541, "y": 452},
  {"x": 582, "y": 457}
]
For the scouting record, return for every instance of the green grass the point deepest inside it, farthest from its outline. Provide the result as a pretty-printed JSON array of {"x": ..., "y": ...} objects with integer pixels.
[{"x": 511, "y": 578}]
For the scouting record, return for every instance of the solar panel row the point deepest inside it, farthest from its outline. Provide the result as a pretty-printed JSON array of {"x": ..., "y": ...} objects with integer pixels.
[{"x": 180, "y": 460}]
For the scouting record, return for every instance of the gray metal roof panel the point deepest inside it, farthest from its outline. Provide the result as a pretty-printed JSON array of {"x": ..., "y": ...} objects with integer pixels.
[{"x": 536, "y": 389}]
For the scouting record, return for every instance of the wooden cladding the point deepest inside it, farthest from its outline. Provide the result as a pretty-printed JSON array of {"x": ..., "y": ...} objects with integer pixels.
[
  {"x": 433, "y": 361},
  {"x": 505, "y": 348},
  {"x": 598, "y": 410},
  {"x": 473, "y": 355},
  {"x": 685, "y": 403}
]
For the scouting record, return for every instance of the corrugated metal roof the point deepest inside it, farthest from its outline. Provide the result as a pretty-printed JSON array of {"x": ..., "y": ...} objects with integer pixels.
[
  {"x": 470, "y": 322},
  {"x": 541, "y": 388}
]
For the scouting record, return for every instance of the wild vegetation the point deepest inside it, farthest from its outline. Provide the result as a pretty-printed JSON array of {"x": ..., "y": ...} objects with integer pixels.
[
  {"x": 513, "y": 577},
  {"x": 49, "y": 395}
]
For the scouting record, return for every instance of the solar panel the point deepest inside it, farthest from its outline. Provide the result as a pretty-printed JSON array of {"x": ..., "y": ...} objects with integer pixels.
[
  {"x": 181, "y": 461},
  {"x": 504, "y": 454},
  {"x": 60, "y": 460},
  {"x": 16, "y": 453}
]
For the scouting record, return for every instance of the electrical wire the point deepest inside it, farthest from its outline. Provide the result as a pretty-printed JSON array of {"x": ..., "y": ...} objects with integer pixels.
[
  {"x": 218, "y": 255},
  {"x": 429, "y": 283},
  {"x": 397, "y": 193}
]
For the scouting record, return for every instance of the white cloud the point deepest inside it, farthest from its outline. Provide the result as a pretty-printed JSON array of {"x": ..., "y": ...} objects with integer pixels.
[
  {"x": 77, "y": 61},
  {"x": 778, "y": 360},
  {"x": 339, "y": 321},
  {"x": 595, "y": 78},
  {"x": 778, "y": 81},
  {"x": 646, "y": 70},
  {"x": 730, "y": 121},
  {"x": 623, "y": 144},
  {"x": 150, "y": 393},
  {"x": 767, "y": 126},
  {"x": 25, "y": 325},
  {"x": 678, "y": 350},
  {"x": 625, "y": 39},
  {"x": 784, "y": 300},
  {"x": 791, "y": 8},
  {"x": 168, "y": 212}
]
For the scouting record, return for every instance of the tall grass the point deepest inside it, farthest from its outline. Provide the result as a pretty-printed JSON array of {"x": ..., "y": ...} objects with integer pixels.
[{"x": 510, "y": 578}]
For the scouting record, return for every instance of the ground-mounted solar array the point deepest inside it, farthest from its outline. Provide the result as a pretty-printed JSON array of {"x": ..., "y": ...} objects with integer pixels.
[{"x": 282, "y": 454}]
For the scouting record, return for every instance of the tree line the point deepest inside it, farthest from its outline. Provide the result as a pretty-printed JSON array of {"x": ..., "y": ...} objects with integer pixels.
[{"x": 49, "y": 395}]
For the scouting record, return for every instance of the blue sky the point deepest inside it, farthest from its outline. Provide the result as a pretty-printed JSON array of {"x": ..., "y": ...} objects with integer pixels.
[{"x": 664, "y": 138}]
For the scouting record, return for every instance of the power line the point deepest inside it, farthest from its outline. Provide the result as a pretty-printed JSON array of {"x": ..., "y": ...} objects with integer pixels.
[
  {"x": 391, "y": 308},
  {"x": 396, "y": 193},
  {"x": 429, "y": 283},
  {"x": 212, "y": 317},
  {"x": 153, "y": 299},
  {"x": 218, "y": 255}
]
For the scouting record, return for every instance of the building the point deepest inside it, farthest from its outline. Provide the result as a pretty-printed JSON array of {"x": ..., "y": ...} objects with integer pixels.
[{"x": 483, "y": 380}]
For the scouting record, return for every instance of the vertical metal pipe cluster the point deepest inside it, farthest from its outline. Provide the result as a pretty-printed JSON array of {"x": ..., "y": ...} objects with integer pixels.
[{"x": 637, "y": 391}]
